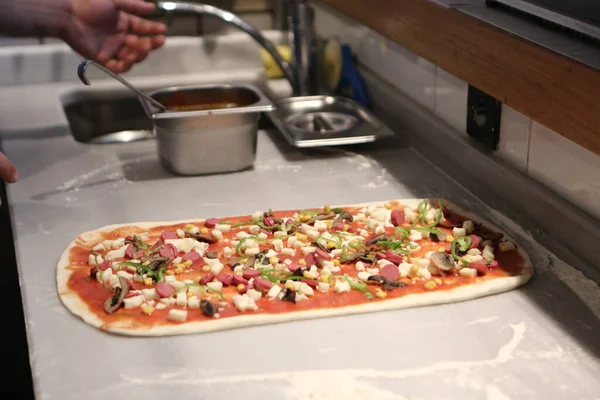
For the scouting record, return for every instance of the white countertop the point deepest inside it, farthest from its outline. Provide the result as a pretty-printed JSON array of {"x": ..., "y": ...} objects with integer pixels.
[{"x": 499, "y": 347}]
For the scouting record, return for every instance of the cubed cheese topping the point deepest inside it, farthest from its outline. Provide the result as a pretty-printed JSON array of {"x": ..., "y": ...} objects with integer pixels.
[
  {"x": 99, "y": 247},
  {"x": 274, "y": 291},
  {"x": 217, "y": 234},
  {"x": 291, "y": 240},
  {"x": 488, "y": 252},
  {"x": 150, "y": 294},
  {"x": 244, "y": 302},
  {"x": 288, "y": 252},
  {"x": 300, "y": 297},
  {"x": 458, "y": 232},
  {"x": 403, "y": 268},
  {"x": 181, "y": 299},
  {"x": 254, "y": 294},
  {"x": 180, "y": 233},
  {"x": 468, "y": 272},
  {"x": 506, "y": 246},
  {"x": 177, "y": 315},
  {"x": 320, "y": 226},
  {"x": 178, "y": 285},
  {"x": 216, "y": 285},
  {"x": 307, "y": 250},
  {"x": 280, "y": 235},
  {"x": 360, "y": 266},
  {"x": 186, "y": 245},
  {"x": 227, "y": 251},
  {"x": 305, "y": 289},
  {"x": 277, "y": 244},
  {"x": 323, "y": 287},
  {"x": 423, "y": 273},
  {"x": 223, "y": 227},
  {"x": 193, "y": 302},
  {"x": 469, "y": 227},
  {"x": 364, "y": 276},
  {"x": 216, "y": 268},
  {"x": 125, "y": 275},
  {"x": 415, "y": 235},
  {"x": 114, "y": 254},
  {"x": 341, "y": 286},
  {"x": 134, "y": 301}
]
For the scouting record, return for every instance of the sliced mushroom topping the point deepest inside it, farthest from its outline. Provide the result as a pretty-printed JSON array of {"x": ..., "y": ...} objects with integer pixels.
[
  {"x": 442, "y": 260},
  {"x": 209, "y": 309},
  {"x": 299, "y": 272},
  {"x": 249, "y": 262},
  {"x": 203, "y": 238},
  {"x": 449, "y": 224},
  {"x": 438, "y": 236},
  {"x": 156, "y": 263},
  {"x": 344, "y": 216},
  {"x": 353, "y": 256},
  {"x": 211, "y": 254},
  {"x": 113, "y": 303},
  {"x": 323, "y": 216},
  {"x": 320, "y": 245},
  {"x": 289, "y": 295},
  {"x": 386, "y": 283},
  {"x": 375, "y": 240}
]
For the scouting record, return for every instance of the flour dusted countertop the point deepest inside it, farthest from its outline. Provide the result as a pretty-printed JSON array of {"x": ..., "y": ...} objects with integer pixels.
[{"x": 536, "y": 342}]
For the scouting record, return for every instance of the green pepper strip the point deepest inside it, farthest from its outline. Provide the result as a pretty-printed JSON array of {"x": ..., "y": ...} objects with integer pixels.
[
  {"x": 269, "y": 228},
  {"x": 220, "y": 294},
  {"x": 422, "y": 208},
  {"x": 238, "y": 248},
  {"x": 360, "y": 287},
  {"x": 464, "y": 242}
]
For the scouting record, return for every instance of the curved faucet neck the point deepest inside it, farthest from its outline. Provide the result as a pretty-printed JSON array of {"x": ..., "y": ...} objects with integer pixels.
[{"x": 294, "y": 76}]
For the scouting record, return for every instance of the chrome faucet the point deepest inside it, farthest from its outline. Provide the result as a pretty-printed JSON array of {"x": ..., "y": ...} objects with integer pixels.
[{"x": 302, "y": 74}]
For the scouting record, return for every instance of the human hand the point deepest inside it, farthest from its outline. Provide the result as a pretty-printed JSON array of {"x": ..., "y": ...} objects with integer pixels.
[
  {"x": 106, "y": 31},
  {"x": 8, "y": 172}
]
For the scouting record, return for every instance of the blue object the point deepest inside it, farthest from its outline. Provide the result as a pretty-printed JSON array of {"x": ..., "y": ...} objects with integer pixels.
[{"x": 351, "y": 83}]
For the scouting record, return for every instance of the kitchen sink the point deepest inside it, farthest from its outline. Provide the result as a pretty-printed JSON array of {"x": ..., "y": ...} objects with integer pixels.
[{"x": 107, "y": 117}]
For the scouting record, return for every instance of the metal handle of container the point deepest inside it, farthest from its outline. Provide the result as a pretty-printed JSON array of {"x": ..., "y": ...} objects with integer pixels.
[{"x": 81, "y": 74}]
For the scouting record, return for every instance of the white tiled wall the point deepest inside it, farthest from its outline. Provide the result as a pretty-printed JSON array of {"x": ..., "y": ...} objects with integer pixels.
[
  {"x": 451, "y": 100},
  {"x": 562, "y": 165},
  {"x": 566, "y": 167}
]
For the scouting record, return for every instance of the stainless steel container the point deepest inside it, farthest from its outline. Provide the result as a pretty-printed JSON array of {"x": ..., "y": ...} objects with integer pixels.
[{"x": 207, "y": 128}]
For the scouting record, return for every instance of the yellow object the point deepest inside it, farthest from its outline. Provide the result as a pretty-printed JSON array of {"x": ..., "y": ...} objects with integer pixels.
[
  {"x": 438, "y": 281},
  {"x": 206, "y": 268},
  {"x": 240, "y": 287},
  {"x": 324, "y": 278},
  {"x": 449, "y": 238},
  {"x": 380, "y": 293},
  {"x": 302, "y": 262},
  {"x": 189, "y": 227},
  {"x": 430, "y": 285},
  {"x": 271, "y": 68},
  {"x": 305, "y": 217},
  {"x": 148, "y": 281},
  {"x": 148, "y": 310},
  {"x": 327, "y": 209},
  {"x": 273, "y": 260},
  {"x": 204, "y": 231},
  {"x": 290, "y": 285},
  {"x": 187, "y": 263},
  {"x": 332, "y": 65},
  {"x": 170, "y": 272},
  {"x": 336, "y": 262}
]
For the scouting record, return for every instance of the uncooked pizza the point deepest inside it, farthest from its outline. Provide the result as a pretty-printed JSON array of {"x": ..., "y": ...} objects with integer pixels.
[{"x": 166, "y": 278}]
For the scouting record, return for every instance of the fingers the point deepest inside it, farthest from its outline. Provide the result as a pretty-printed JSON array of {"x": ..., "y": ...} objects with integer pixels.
[
  {"x": 133, "y": 50},
  {"x": 135, "y": 6},
  {"x": 8, "y": 172},
  {"x": 141, "y": 26}
]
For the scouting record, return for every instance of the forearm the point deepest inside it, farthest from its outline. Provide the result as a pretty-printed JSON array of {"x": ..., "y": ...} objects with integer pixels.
[{"x": 33, "y": 18}]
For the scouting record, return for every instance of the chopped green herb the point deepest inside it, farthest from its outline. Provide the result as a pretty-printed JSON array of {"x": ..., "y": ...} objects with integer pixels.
[{"x": 362, "y": 287}]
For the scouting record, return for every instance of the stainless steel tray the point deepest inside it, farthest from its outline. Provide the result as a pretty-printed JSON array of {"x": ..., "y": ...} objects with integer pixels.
[{"x": 326, "y": 121}]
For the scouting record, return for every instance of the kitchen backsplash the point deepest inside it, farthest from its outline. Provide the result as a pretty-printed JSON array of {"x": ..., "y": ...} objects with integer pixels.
[{"x": 560, "y": 164}]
